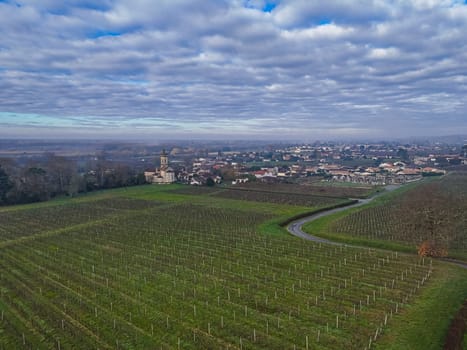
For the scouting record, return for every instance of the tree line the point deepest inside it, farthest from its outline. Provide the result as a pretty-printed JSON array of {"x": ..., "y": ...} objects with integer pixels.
[{"x": 52, "y": 176}]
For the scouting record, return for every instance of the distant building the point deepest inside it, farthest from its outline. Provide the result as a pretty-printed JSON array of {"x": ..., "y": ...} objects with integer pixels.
[{"x": 163, "y": 175}]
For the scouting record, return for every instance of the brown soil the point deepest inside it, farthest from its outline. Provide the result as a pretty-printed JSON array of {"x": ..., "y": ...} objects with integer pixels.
[{"x": 457, "y": 329}]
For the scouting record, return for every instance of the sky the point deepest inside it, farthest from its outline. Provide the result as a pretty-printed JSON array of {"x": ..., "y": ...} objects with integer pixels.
[{"x": 233, "y": 69}]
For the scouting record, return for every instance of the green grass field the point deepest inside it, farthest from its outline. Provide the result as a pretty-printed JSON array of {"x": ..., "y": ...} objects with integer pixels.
[{"x": 152, "y": 267}]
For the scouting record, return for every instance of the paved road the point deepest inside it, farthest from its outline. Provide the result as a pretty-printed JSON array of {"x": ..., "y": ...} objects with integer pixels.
[{"x": 295, "y": 227}]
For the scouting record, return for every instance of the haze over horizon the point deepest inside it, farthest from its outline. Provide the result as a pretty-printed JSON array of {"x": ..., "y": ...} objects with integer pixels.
[{"x": 233, "y": 69}]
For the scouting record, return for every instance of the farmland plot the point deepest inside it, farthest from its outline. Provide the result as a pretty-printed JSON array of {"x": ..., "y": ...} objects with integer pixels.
[
  {"x": 29, "y": 222},
  {"x": 430, "y": 212},
  {"x": 277, "y": 197},
  {"x": 195, "y": 277},
  {"x": 325, "y": 189}
]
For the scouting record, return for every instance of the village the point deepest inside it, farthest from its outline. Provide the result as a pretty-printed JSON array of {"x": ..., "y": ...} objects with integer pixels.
[
  {"x": 370, "y": 164},
  {"x": 71, "y": 169}
]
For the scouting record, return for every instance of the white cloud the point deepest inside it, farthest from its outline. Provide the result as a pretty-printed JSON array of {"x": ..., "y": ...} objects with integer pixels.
[
  {"x": 319, "y": 64},
  {"x": 382, "y": 53},
  {"x": 327, "y": 31}
]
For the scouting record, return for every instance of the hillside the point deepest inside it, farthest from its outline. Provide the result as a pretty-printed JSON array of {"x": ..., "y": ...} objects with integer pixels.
[{"x": 159, "y": 267}]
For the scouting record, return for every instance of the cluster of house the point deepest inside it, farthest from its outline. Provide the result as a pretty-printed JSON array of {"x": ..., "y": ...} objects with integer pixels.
[
  {"x": 280, "y": 172},
  {"x": 215, "y": 168},
  {"x": 385, "y": 173}
]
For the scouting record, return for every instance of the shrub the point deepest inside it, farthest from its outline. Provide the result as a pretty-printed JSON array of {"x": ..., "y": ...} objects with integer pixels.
[{"x": 433, "y": 249}]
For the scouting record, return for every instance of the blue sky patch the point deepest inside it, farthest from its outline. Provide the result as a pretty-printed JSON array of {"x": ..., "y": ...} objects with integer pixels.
[
  {"x": 9, "y": 2},
  {"x": 269, "y": 7},
  {"x": 95, "y": 5},
  {"x": 100, "y": 33},
  {"x": 324, "y": 21}
]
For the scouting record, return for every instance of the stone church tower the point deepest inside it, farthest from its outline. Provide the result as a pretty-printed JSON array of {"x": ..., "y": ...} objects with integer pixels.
[
  {"x": 163, "y": 175},
  {"x": 164, "y": 160}
]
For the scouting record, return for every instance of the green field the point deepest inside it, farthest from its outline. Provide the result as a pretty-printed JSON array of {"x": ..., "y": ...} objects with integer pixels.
[{"x": 156, "y": 267}]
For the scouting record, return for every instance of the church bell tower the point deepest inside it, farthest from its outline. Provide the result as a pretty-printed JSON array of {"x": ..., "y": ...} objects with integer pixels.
[{"x": 164, "y": 160}]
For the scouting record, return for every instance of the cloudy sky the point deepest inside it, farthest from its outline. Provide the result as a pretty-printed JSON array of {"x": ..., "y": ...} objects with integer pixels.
[{"x": 241, "y": 69}]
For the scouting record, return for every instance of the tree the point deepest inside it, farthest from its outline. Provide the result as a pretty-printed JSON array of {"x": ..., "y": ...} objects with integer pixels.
[
  {"x": 34, "y": 186},
  {"x": 77, "y": 184},
  {"x": 101, "y": 169},
  {"x": 5, "y": 185},
  {"x": 60, "y": 171},
  {"x": 210, "y": 182},
  {"x": 403, "y": 154},
  {"x": 123, "y": 175},
  {"x": 140, "y": 179},
  {"x": 428, "y": 214}
]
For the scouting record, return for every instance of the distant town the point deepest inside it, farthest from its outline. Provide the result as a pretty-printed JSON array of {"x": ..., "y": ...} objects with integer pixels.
[
  {"x": 39, "y": 170},
  {"x": 369, "y": 164}
]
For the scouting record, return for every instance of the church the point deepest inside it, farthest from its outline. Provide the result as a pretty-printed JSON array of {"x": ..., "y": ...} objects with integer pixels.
[{"x": 163, "y": 175}]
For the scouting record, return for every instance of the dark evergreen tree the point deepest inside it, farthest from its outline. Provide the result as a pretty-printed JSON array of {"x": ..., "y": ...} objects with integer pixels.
[{"x": 210, "y": 182}]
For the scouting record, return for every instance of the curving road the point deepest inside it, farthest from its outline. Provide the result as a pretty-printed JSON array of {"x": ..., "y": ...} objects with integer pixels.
[{"x": 295, "y": 227}]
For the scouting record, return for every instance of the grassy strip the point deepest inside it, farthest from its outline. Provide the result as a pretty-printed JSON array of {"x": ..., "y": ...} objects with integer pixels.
[
  {"x": 277, "y": 225},
  {"x": 317, "y": 210},
  {"x": 273, "y": 227},
  {"x": 424, "y": 324},
  {"x": 457, "y": 255}
]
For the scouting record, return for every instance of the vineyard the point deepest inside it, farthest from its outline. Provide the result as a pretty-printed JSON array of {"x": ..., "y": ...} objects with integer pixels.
[
  {"x": 277, "y": 197},
  {"x": 433, "y": 212},
  {"x": 325, "y": 189},
  {"x": 261, "y": 195},
  {"x": 121, "y": 272},
  {"x": 29, "y": 222}
]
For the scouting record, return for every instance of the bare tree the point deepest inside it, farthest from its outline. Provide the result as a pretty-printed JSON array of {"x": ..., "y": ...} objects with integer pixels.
[{"x": 60, "y": 171}]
